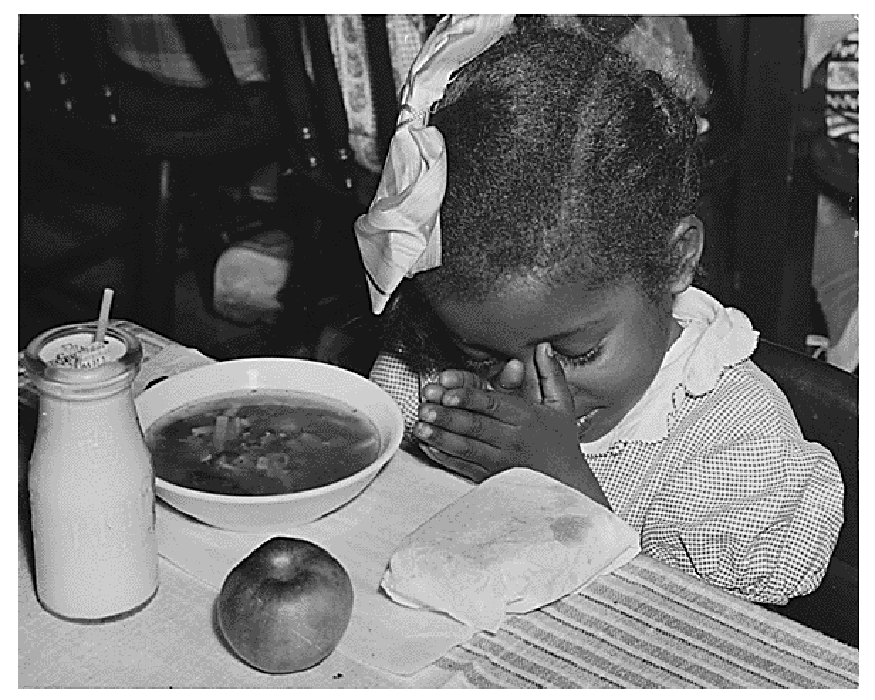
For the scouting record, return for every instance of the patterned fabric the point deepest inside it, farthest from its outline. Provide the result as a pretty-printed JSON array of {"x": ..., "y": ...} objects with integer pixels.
[
  {"x": 151, "y": 43},
  {"x": 729, "y": 490},
  {"x": 401, "y": 384},
  {"x": 842, "y": 90},
  {"x": 348, "y": 42},
  {"x": 645, "y": 626}
]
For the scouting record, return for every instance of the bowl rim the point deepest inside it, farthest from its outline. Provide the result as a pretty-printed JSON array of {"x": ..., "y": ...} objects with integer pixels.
[{"x": 385, "y": 455}]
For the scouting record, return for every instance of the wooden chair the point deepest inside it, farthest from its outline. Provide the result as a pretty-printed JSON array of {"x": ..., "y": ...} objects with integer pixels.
[{"x": 826, "y": 403}]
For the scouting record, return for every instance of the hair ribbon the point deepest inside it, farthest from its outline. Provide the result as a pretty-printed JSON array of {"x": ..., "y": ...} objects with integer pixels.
[{"x": 400, "y": 233}]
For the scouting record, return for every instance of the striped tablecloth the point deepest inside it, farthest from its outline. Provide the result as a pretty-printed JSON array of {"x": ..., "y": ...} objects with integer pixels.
[
  {"x": 650, "y": 626},
  {"x": 645, "y": 626}
]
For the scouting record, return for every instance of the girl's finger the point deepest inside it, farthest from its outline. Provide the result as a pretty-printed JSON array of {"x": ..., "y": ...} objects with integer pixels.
[
  {"x": 495, "y": 404},
  {"x": 554, "y": 388},
  {"x": 459, "y": 446},
  {"x": 467, "y": 470},
  {"x": 448, "y": 379},
  {"x": 471, "y": 424},
  {"x": 432, "y": 392},
  {"x": 531, "y": 387},
  {"x": 512, "y": 375},
  {"x": 459, "y": 379}
]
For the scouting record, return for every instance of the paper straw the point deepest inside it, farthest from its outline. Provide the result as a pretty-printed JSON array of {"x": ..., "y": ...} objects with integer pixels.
[{"x": 103, "y": 319}]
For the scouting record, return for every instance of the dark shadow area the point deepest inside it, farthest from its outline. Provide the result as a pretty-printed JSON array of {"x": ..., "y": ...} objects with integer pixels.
[
  {"x": 833, "y": 608},
  {"x": 826, "y": 403}
]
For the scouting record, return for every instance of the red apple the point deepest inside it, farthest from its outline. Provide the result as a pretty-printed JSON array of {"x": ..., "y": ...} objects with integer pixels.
[{"x": 285, "y": 607}]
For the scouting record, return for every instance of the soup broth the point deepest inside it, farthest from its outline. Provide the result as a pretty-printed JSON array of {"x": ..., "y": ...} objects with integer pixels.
[{"x": 254, "y": 443}]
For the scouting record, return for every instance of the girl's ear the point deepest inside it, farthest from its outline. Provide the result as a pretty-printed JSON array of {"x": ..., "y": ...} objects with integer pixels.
[{"x": 687, "y": 241}]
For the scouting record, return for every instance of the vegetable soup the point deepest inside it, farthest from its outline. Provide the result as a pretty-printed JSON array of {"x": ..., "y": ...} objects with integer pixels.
[{"x": 253, "y": 442}]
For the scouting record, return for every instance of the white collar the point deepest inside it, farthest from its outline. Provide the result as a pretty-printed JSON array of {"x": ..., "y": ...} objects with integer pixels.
[{"x": 713, "y": 338}]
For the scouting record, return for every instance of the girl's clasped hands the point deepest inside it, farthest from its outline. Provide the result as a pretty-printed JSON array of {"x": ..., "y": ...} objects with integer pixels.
[{"x": 526, "y": 419}]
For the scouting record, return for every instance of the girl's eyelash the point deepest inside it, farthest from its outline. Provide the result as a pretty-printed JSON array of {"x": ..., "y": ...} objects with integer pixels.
[
  {"x": 479, "y": 365},
  {"x": 580, "y": 360}
]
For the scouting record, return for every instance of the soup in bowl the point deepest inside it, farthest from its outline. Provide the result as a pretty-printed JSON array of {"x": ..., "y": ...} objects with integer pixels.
[{"x": 253, "y": 444}]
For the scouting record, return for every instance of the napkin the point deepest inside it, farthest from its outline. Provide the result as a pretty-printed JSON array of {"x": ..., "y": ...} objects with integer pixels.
[{"x": 518, "y": 541}]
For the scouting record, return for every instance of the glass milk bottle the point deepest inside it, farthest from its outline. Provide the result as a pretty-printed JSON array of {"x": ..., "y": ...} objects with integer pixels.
[{"x": 91, "y": 481}]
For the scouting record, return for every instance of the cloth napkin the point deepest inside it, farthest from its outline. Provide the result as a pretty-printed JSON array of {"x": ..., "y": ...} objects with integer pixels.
[{"x": 518, "y": 541}]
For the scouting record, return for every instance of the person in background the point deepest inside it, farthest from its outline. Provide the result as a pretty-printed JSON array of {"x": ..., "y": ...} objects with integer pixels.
[
  {"x": 551, "y": 322},
  {"x": 162, "y": 82},
  {"x": 151, "y": 45},
  {"x": 832, "y": 61}
]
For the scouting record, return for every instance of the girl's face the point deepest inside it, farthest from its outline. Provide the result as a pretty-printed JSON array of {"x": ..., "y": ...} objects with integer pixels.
[{"x": 610, "y": 342}]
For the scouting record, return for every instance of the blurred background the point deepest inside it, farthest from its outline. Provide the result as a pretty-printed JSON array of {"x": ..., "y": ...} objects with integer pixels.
[{"x": 209, "y": 168}]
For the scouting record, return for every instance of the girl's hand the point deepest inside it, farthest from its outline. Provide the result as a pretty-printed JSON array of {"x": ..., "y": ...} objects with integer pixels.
[
  {"x": 528, "y": 421},
  {"x": 510, "y": 379}
]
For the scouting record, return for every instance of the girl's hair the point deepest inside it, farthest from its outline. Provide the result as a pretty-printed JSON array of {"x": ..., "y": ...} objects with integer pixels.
[{"x": 566, "y": 163}]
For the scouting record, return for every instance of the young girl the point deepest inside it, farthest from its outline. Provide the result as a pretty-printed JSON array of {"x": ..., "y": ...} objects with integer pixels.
[{"x": 553, "y": 324}]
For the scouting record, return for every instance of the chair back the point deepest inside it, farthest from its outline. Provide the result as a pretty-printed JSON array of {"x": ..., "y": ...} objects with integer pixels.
[
  {"x": 69, "y": 91},
  {"x": 826, "y": 403}
]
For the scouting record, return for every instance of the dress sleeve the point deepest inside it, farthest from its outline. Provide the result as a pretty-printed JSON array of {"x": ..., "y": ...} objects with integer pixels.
[
  {"x": 402, "y": 384},
  {"x": 751, "y": 506}
]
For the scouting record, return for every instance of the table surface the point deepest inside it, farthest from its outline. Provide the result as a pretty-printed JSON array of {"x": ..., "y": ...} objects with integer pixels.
[{"x": 645, "y": 625}]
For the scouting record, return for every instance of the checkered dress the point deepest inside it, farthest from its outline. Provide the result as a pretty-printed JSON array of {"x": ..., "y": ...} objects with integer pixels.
[{"x": 727, "y": 489}]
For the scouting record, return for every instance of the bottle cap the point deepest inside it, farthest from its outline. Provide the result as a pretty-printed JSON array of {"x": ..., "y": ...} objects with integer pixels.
[{"x": 68, "y": 356}]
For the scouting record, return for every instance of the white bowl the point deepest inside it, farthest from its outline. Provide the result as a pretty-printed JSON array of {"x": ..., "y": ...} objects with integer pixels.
[{"x": 266, "y": 513}]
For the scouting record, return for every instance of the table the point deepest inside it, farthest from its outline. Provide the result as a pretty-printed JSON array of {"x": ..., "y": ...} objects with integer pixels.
[{"x": 645, "y": 625}]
